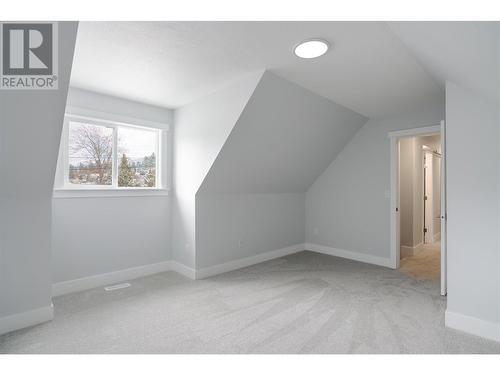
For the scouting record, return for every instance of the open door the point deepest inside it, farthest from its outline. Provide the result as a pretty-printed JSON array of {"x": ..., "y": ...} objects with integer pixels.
[
  {"x": 428, "y": 198},
  {"x": 443, "y": 210}
]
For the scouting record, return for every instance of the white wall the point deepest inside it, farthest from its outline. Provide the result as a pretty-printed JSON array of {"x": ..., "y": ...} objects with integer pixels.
[
  {"x": 118, "y": 107},
  {"x": 348, "y": 206},
  {"x": 201, "y": 128},
  {"x": 472, "y": 146},
  {"x": 92, "y": 236},
  {"x": 418, "y": 192},
  {"x": 498, "y": 166},
  {"x": 96, "y": 235},
  {"x": 252, "y": 200},
  {"x": 31, "y": 123},
  {"x": 235, "y": 226},
  {"x": 434, "y": 143},
  {"x": 406, "y": 189}
]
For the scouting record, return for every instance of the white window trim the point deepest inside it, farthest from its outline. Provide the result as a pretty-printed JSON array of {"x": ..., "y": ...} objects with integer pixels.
[
  {"x": 107, "y": 193},
  {"x": 64, "y": 190}
]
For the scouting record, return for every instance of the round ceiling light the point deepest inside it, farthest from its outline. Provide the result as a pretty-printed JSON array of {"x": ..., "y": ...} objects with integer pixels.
[{"x": 311, "y": 48}]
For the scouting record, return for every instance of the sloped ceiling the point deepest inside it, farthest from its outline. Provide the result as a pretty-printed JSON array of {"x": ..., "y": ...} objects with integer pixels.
[
  {"x": 283, "y": 140},
  {"x": 171, "y": 64},
  {"x": 466, "y": 53},
  {"x": 202, "y": 128},
  {"x": 30, "y": 120}
]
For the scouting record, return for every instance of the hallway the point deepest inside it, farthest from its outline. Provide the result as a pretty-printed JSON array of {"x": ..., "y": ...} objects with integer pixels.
[{"x": 425, "y": 265}]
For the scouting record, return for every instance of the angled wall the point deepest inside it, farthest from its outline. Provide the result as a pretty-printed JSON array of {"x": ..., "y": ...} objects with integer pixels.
[
  {"x": 33, "y": 119},
  {"x": 348, "y": 206},
  {"x": 253, "y": 199},
  {"x": 201, "y": 128},
  {"x": 284, "y": 139}
]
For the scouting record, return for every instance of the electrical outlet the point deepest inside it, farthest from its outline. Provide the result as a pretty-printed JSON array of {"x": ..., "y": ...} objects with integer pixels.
[{"x": 240, "y": 243}]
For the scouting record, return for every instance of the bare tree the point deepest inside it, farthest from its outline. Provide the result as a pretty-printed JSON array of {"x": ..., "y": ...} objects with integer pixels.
[{"x": 96, "y": 144}]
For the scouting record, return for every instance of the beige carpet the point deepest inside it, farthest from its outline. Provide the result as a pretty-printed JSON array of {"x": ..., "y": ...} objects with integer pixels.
[{"x": 425, "y": 265}]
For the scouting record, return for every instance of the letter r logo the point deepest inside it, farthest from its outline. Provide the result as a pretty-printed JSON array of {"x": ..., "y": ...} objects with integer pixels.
[{"x": 27, "y": 49}]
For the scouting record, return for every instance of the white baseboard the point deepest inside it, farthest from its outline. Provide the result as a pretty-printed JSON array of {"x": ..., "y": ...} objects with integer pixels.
[
  {"x": 360, "y": 257},
  {"x": 248, "y": 261},
  {"x": 183, "y": 270},
  {"x": 474, "y": 326},
  {"x": 26, "y": 319},
  {"x": 406, "y": 251},
  {"x": 409, "y": 251},
  {"x": 95, "y": 281}
]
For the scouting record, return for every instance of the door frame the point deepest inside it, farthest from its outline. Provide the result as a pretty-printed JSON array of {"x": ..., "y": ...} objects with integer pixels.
[{"x": 394, "y": 137}]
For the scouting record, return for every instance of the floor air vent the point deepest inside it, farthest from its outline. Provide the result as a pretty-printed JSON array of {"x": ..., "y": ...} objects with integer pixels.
[{"x": 117, "y": 286}]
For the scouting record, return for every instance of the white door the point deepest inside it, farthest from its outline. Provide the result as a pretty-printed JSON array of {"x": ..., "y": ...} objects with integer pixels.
[
  {"x": 436, "y": 196},
  {"x": 443, "y": 209},
  {"x": 428, "y": 198}
]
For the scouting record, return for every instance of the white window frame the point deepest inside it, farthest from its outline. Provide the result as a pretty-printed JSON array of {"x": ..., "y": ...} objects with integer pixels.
[{"x": 64, "y": 189}]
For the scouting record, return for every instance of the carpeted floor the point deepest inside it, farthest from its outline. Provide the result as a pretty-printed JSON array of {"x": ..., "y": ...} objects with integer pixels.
[
  {"x": 303, "y": 303},
  {"x": 425, "y": 265}
]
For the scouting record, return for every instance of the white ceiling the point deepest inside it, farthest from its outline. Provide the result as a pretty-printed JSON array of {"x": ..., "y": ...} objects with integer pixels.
[
  {"x": 466, "y": 53},
  {"x": 171, "y": 64}
]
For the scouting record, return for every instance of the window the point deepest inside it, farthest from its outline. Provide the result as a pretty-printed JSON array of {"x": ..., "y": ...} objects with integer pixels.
[
  {"x": 90, "y": 154},
  {"x": 105, "y": 155},
  {"x": 137, "y": 157}
]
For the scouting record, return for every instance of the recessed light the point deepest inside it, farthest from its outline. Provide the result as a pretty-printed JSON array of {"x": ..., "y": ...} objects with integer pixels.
[{"x": 309, "y": 49}]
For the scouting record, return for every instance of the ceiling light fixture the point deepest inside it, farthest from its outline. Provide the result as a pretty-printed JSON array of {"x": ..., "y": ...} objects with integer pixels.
[{"x": 311, "y": 48}]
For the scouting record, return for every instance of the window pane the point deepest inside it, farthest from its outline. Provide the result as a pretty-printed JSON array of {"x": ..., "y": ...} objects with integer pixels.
[
  {"x": 90, "y": 154},
  {"x": 136, "y": 157}
]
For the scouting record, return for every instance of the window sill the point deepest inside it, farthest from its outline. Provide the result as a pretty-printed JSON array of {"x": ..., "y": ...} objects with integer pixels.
[{"x": 105, "y": 193}]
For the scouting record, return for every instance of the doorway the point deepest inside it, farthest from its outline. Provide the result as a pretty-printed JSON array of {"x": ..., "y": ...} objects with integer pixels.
[{"x": 418, "y": 203}]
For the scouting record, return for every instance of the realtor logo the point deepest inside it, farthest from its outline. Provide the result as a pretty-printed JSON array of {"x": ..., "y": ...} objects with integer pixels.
[{"x": 28, "y": 55}]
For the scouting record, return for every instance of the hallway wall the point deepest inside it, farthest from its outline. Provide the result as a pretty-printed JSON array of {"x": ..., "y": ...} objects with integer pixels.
[{"x": 407, "y": 149}]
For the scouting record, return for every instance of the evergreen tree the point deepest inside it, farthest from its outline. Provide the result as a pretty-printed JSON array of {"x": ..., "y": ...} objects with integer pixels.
[
  {"x": 150, "y": 164},
  {"x": 150, "y": 178},
  {"x": 125, "y": 172},
  {"x": 149, "y": 161}
]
